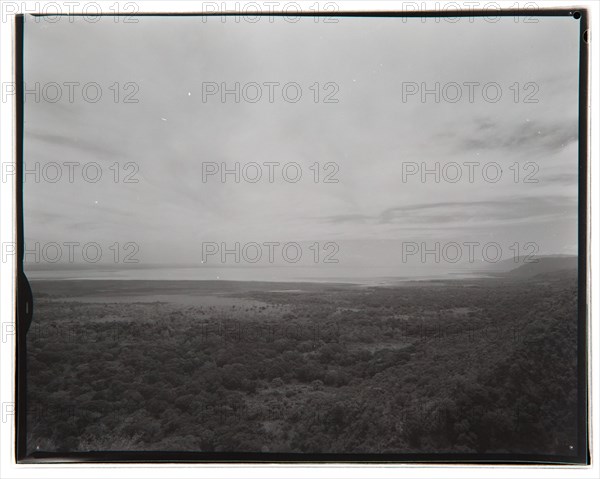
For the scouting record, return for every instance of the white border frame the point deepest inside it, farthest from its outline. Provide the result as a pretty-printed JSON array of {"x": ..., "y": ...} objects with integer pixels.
[{"x": 9, "y": 469}]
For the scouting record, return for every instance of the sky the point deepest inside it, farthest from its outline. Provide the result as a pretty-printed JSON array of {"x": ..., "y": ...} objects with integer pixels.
[{"x": 370, "y": 219}]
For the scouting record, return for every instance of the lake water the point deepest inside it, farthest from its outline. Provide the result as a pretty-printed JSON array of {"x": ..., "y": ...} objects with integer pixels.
[{"x": 313, "y": 275}]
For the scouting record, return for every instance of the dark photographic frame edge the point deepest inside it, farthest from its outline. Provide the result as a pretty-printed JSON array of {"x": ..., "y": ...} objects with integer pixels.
[{"x": 24, "y": 298}]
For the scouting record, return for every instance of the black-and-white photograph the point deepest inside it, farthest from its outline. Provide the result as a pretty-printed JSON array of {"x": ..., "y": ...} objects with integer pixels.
[{"x": 312, "y": 235}]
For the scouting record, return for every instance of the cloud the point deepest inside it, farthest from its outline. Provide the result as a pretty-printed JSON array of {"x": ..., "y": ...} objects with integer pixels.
[
  {"x": 473, "y": 212},
  {"x": 527, "y": 135},
  {"x": 75, "y": 143},
  {"x": 561, "y": 179},
  {"x": 351, "y": 218}
]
